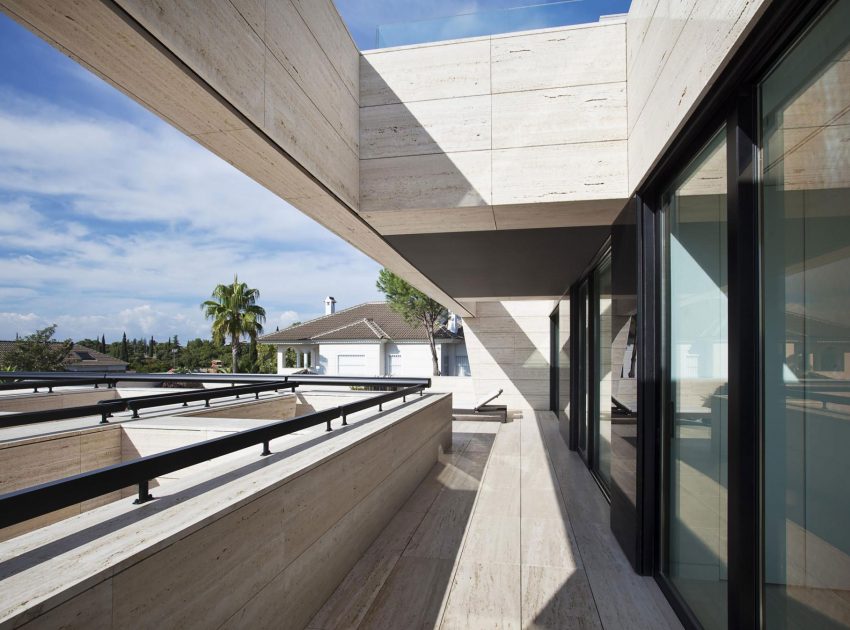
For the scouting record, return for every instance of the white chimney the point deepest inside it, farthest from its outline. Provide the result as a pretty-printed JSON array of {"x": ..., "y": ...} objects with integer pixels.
[
  {"x": 330, "y": 305},
  {"x": 454, "y": 323}
]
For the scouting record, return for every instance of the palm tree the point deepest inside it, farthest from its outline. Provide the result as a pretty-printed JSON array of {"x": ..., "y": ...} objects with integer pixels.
[{"x": 235, "y": 314}]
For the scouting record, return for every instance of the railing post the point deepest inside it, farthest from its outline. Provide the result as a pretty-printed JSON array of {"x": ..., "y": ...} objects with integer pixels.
[
  {"x": 256, "y": 395},
  {"x": 207, "y": 403},
  {"x": 344, "y": 421},
  {"x": 266, "y": 449},
  {"x": 135, "y": 412},
  {"x": 103, "y": 417},
  {"x": 144, "y": 494},
  {"x": 185, "y": 404},
  {"x": 329, "y": 427},
  {"x": 380, "y": 406}
]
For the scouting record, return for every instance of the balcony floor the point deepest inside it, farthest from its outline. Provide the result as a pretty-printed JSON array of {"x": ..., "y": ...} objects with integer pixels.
[{"x": 498, "y": 537}]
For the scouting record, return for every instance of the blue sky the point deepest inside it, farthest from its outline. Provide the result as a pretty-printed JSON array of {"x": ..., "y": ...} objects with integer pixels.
[
  {"x": 364, "y": 16},
  {"x": 113, "y": 221}
]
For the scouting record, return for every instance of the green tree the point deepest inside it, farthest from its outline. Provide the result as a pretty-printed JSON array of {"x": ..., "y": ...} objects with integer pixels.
[
  {"x": 125, "y": 349},
  {"x": 38, "y": 352},
  {"x": 266, "y": 358},
  {"x": 234, "y": 313},
  {"x": 416, "y": 308}
]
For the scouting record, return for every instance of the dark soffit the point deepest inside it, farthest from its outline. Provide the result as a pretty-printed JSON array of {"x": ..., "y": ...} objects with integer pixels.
[{"x": 503, "y": 263}]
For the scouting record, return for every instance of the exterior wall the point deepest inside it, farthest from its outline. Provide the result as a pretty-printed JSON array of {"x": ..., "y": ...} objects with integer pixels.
[
  {"x": 675, "y": 52},
  {"x": 289, "y": 66},
  {"x": 59, "y": 399},
  {"x": 329, "y": 356},
  {"x": 267, "y": 546},
  {"x": 25, "y": 463},
  {"x": 508, "y": 346},
  {"x": 495, "y": 133},
  {"x": 415, "y": 358}
]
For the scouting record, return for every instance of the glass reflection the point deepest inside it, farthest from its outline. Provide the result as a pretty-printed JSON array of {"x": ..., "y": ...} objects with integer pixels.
[
  {"x": 602, "y": 399},
  {"x": 697, "y": 346},
  {"x": 806, "y": 305}
]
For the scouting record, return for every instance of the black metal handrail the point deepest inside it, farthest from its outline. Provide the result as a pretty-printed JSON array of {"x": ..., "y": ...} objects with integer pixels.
[
  {"x": 256, "y": 383},
  {"x": 159, "y": 400},
  {"x": 27, "y": 503},
  {"x": 28, "y": 379},
  {"x": 106, "y": 408},
  {"x": 51, "y": 383}
]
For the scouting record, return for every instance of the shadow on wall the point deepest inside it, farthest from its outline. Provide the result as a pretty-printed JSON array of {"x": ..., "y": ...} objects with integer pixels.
[
  {"x": 508, "y": 347},
  {"x": 409, "y": 179},
  {"x": 416, "y": 553}
]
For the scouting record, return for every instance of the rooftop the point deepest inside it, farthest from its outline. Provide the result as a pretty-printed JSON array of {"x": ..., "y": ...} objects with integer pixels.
[
  {"x": 78, "y": 355},
  {"x": 370, "y": 321}
]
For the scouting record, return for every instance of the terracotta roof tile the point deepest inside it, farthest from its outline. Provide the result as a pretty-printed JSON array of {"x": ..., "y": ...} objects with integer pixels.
[{"x": 369, "y": 321}]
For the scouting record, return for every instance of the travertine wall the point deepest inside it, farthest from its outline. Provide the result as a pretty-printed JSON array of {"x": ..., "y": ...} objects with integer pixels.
[
  {"x": 59, "y": 399},
  {"x": 289, "y": 66},
  {"x": 676, "y": 49},
  {"x": 503, "y": 132},
  {"x": 25, "y": 463},
  {"x": 266, "y": 551},
  {"x": 508, "y": 348}
]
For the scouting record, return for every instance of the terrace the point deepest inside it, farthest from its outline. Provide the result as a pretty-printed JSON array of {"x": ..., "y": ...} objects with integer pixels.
[{"x": 417, "y": 517}]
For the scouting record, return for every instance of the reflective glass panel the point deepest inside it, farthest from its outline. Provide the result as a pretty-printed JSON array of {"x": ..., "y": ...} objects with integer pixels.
[
  {"x": 602, "y": 402},
  {"x": 806, "y": 304},
  {"x": 697, "y": 348}
]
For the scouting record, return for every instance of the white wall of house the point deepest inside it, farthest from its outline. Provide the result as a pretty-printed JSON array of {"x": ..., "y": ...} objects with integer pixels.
[
  {"x": 377, "y": 358},
  {"x": 356, "y": 359},
  {"x": 414, "y": 359}
]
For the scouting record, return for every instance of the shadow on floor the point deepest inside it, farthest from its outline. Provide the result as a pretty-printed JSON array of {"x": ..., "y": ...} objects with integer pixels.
[{"x": 402, "y": 579}]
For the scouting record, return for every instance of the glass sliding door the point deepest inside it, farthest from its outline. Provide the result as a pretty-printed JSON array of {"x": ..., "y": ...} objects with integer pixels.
[
  {"x": 601, "y": 416},
  {"x": 696, "y": 347},
  {"x": 584, "y": 368},
  {"x": 805, "y": 109}
]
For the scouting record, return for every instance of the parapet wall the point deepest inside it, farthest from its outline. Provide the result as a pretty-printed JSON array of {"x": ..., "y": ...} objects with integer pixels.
[{"x": 261, "y": 542}]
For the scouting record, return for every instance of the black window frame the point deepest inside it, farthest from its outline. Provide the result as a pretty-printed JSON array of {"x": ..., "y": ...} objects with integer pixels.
[{"x": 732, "y": 101}]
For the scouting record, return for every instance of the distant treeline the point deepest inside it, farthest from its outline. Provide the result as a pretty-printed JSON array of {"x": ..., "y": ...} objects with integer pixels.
[{"x": 150, "y": 355}]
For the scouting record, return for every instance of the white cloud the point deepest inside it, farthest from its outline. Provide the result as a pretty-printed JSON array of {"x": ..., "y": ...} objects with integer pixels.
[
  {"x": 287, "y": 318},
  {"x": 107, "y": 226}
]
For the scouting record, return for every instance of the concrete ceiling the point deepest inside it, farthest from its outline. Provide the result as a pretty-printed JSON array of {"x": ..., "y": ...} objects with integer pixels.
[{"x": 503, "y": 263}]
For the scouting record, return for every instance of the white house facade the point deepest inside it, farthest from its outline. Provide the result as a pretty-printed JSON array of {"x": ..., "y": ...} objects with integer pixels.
[{"x": 369, "y": 339}]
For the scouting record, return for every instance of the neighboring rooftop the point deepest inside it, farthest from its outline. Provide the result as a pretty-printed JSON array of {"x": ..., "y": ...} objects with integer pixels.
[
  {"x": 80, "y": 357},
  {"x": 369, "y": 321}
]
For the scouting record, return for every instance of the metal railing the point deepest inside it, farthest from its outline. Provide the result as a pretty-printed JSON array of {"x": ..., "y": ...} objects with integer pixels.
[
  {"x": 27, "y": 503},
  {"x": 24, "y": 380},
  {"x": 106, "y": 408},
  {"x": 35, "y": 385},
  {"x": 257, "y": 383}
]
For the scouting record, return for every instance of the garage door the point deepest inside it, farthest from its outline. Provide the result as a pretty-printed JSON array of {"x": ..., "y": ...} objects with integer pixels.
[{"x": 351, "y": 365}]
